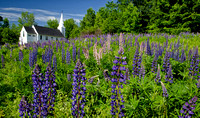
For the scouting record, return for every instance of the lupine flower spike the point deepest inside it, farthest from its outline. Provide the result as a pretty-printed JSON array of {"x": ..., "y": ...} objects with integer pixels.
[
  {"x": 136, "y": 63},
  {"x": 117, "y": 83},
  {"x": 165, "y": 94},
  {"x": 188, "y": 108},
  {"x": 37, "y": 90},
  {"x": 25, "y": 108},
  {"x": 21, "y": 55},
  {"x": 169, "y": 75},
  {"x": 78, "y": 91},
  {"x": 68, "y": 57},
  {"x": 158, "y": 76},
  {"x": 194, "y": 64}
]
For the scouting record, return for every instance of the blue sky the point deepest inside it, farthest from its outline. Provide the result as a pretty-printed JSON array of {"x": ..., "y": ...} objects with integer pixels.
[{"x": 49, "y": 9}]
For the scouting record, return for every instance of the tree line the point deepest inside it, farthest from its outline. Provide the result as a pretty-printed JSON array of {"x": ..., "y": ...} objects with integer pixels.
[
  {"x": 128, "y": 16},
  {"x": 140, "y": 16}
]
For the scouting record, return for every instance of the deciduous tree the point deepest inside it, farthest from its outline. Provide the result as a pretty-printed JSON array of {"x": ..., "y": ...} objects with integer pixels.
[{"x": 52, "y": 23}]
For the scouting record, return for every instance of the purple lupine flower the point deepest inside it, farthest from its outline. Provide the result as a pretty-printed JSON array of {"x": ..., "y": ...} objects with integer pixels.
[
  {"x": 136, "y": 63},
  {"x": 54, "y": 63},
  {"x": 178, "y": 44},
  {"x": 117, "y": 83},
  {"x": 136, "y": 40},
  {"x": 154, "y": 64},
  {"x": 131, "y": 42},
  {"x": 186, "y": 48},
  {"x": 189, "y": 54},
  {"x": 126, "y": 76},
  {"x": 63, "y": 54},
  {"x": 183, "y": 56},
  {"x": 101, "y": 42},
  {"x": 74, "y": 53},
  {"x": 38, "y": 82},
  {"x": 25, "y": 108},
  {"x": 142, "y": 72},
  {"x": 176, "y": 57},
  {"x": 49, "y": 91},
  {"x": 31, "y": 59},
  {"x": 57, "y": 46},
  {"x": 78, "y": 90},
  {"x": 166, "y": 62},
  {"x": 169, "y": 75},
  {"x": 165, "y": 94},
  {"x": 2, "y": 61},
  {"x": 48, "y": 54},
  {"x": 68, "y": 57},
  {"x": 160, "y": 50},
  {"x": 158, "y": 76},
  {"x": 35, "y": 52},
  {"x": 21, "y": 55},
  {"x": 193, "y": 70},
  {"x": 148, "y": 48},
  {"x": 152, "y": 48},
  {"x": 43, "y": 57},
  {"x": 172, "y": 55},
  {"x": 188, "y": 108}
]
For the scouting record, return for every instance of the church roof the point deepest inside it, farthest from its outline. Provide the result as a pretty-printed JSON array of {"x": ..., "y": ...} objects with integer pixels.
[
  {"x": 48, "y": 31},
  {"x": 44, "y": 31},
  {"x": 29, "y": 30}
]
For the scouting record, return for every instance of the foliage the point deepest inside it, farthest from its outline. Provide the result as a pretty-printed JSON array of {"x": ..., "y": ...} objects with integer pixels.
[
  {"x": 26, "y": 19},
  {"x": 52, "y": 23},
  {"x": 139, "y": 93},
  {"x": 71, "y": 28}
]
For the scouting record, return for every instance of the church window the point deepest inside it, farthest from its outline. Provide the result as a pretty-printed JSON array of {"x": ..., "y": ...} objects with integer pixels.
[
  {"x": 23, "y": 33},
  {"x": 29, "y": 35},
  {"x": 46, "y": 37},
  {"x": 40, "y": 37},
  {"x": 51, "y": 38},
  {"x": 56, "y": 39}
]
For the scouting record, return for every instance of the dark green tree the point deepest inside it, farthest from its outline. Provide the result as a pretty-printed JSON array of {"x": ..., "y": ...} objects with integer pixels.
[
  {"x": 26, "y": 19},
  {"x": 5, "y": 23},
  {"x": 71, "y": 28},
  {"x": 130, "y": 18},
  {"x": 88, "y": 20},
  {"x": 52, "y": 23},
  {"x": 8, "y": 36}
]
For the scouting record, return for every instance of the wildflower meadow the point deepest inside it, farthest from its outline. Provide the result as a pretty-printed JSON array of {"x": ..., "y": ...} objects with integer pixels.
[{"x": 106, "y": 76}]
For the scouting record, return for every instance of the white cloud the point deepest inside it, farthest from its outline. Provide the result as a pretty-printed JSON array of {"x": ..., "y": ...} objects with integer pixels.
[
  {"x": 10, "y": 16},
  {"x": 41, "y": 15},
  {"x": 30, "y": 10},
  {"x": 77, "y": 20}
]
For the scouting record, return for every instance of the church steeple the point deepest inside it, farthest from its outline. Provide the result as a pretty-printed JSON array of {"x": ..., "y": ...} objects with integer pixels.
[{"x": 61, "y": 25}]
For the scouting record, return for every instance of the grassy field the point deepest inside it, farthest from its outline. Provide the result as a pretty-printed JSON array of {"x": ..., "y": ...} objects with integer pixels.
[{"x": 143, "y": 96}]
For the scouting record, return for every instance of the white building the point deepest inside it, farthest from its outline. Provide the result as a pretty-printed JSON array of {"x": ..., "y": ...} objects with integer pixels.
[{"x": 39, "y": 33}]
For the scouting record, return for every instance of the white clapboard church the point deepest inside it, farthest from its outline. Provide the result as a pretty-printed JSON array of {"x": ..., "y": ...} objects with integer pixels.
[{"x": 42, "y": 34}]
